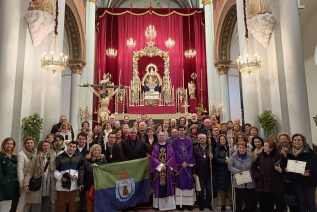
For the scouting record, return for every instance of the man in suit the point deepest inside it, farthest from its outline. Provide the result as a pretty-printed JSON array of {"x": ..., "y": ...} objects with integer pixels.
[{"x": 133, "y": 148}]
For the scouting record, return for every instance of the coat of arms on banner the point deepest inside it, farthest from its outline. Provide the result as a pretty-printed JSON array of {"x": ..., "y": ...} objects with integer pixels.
[{"x": 125, "y": 186}]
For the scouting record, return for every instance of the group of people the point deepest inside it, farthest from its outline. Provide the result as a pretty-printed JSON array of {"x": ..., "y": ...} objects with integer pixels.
[{"x": 194, "y": 160}]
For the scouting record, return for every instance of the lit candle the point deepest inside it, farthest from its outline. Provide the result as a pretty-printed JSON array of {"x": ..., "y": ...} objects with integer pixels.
[
  {"x": 183, "y": 78},
  {"x": 201, "y": 86},
  {"x": 201, "y": 78}
]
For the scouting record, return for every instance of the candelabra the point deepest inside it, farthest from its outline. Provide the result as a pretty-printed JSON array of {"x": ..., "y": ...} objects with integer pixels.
[{"x": 85, "y": 113}]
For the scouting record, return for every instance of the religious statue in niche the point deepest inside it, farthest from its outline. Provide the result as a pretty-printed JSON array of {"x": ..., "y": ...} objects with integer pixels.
[
  {"x": 259, "y": 7},
  {"x": 191, "y": 90},
  {"x": 151, "y": 82},
  {"x": 192, "y": 87},
  {"x": 104, "y": 91}
]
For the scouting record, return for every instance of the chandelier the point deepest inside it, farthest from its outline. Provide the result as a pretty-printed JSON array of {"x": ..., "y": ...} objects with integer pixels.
[
  {"x": 54, "y": 61},
  {"x": 169, "y": 43},
  {"x": 111, "y": 52},
  {"x": 248, "y": 62},
  {"x": 150, "y": 32},
  {"x": 131, "y": 43},
  {"x": 189, "y": 53}
]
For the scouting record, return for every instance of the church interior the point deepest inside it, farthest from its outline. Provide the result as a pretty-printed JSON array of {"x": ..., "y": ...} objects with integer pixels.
[
  {"x": 94, "y": 59},
  {"x": 147, "y": 40}
]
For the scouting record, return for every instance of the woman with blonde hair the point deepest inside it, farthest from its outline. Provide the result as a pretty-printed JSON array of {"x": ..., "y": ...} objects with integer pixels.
[
  {"x": 93, "y": 158},
  {"x": 42, "y": 167},
  {"x": 9, "y": 183},
  {"x": 25, "y": 157},
  {"x": 66, "y": 131}
]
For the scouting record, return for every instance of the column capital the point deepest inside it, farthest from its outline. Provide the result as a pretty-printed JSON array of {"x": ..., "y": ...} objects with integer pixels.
[
  {"x": 223, "y": 66},
  {"x": 205, "y": 2},
  {"x": 76, "y": 66}
]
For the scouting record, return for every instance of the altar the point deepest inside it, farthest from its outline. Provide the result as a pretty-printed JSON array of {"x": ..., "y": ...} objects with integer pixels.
[
  {"x": 154, "y": 78},
  {"x": 152, "y": 109}
]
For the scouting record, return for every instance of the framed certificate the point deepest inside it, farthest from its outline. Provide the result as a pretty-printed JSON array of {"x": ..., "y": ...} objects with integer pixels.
[
  {"x": 243, "y": 177},
  {"x": 296, "y": 166}
]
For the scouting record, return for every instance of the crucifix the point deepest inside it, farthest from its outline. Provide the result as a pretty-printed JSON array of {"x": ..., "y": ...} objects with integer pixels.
[{"x": 104, "y": 91}]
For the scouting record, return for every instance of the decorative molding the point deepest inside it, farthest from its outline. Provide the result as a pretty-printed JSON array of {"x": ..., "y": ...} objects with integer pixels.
[
  {"x": 75, "y": 35},
  {"x": 205, "y": 2},
  {"x": 40, "y": 23},
  {"x": 261, "y": 27},
  {"x": 224, "y": 38}
]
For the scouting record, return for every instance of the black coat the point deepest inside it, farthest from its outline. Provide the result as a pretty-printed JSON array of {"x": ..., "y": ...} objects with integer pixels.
[
  {"x": 56, "y": 127},
  {"x": 88, "y": 171},
  {"x": 202, "y": 166},
  {"x": 114, "y": 154},
  {"x": 267, "y": 179},
  {"x": 222, "y": 172},
  {"x": 149, "y": 147},
  {"x": 9, "y": 185},
  {"x": 83, "y": 152},
  {"x": 310, "y": 158},
  {"x": 133, "y": 149}
]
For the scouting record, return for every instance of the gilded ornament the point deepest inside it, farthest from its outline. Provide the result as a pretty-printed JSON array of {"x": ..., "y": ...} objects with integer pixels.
[
  {"x": 205, "y": 2},
  {"x": 150, "y": 50}
]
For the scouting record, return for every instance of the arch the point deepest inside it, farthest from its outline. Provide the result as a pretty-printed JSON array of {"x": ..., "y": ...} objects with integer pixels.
[
  {"x": 224, "y": 31},
  {"x": 76, "y": 37}
]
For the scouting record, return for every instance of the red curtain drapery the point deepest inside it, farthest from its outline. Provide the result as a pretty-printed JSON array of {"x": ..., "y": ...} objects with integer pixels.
[{"x": 126, "y": 23}]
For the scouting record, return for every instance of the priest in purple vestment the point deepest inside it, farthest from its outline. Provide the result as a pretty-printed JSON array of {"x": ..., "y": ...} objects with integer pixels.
[
  {"x": 183, "y": 148},
  {"x": 163, "y": 165}
]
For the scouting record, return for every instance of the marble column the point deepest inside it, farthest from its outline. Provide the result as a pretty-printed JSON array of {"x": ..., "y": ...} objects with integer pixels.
[
  {"x": 210, "y": 43},
  {"x": 249, "y": 81},
  {"x": 296, "y": 87},
  {"x": 10, "y": 19},
  {"x": 75, "y": 98},
  {"x": 224, "y": 90},
  {"x": 88, "y": 74}
]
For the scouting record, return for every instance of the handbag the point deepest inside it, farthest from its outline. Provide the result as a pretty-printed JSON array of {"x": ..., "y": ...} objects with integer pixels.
[
  {"x": 35, "y": 183},
  {"x": 91, "y": 193}
]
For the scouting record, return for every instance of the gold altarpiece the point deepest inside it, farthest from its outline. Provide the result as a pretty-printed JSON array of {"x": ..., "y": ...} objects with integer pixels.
[{"x": 166, "y": 96}]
